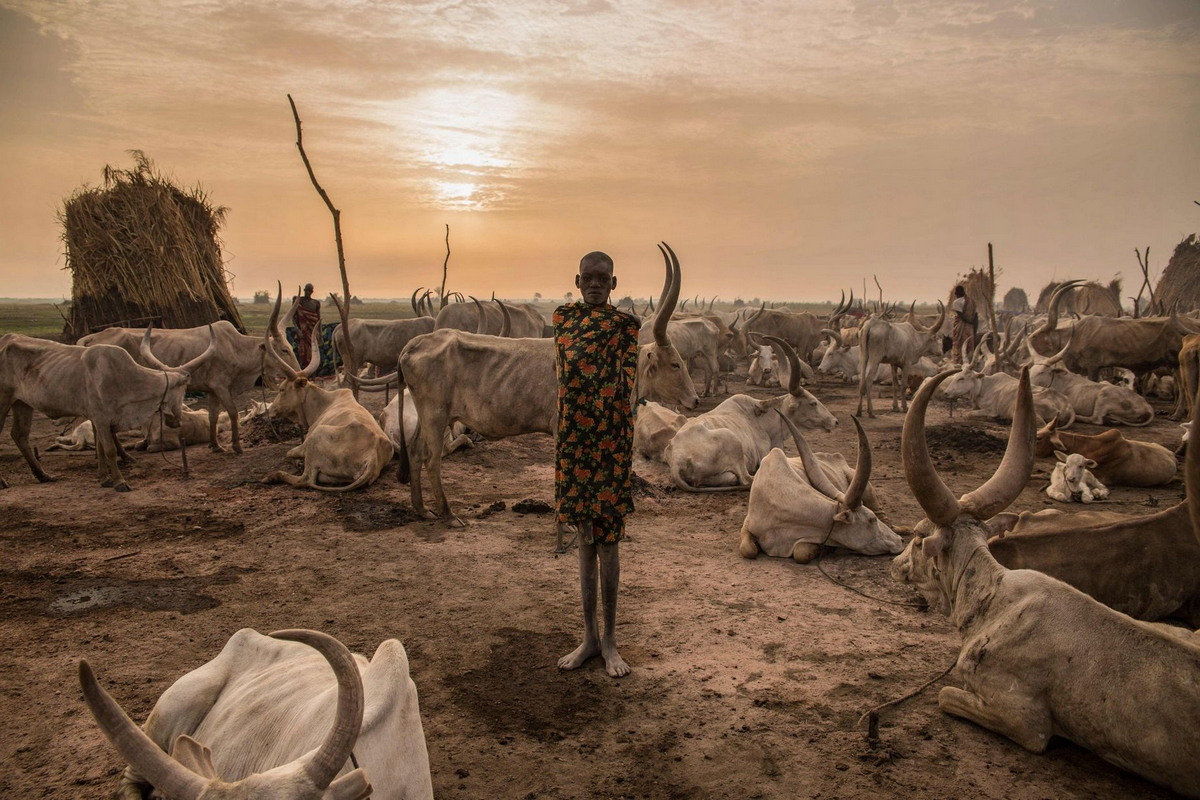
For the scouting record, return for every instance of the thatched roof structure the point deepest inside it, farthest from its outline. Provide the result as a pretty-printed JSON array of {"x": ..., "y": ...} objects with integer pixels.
[
  {"x": 142, "y": 250},
  {"x": 1015, "y": 301},
  {"x": 979, "y": 289},
  {"x": 1179, "y": 286},
  {"x": 1089, "y": 298}
]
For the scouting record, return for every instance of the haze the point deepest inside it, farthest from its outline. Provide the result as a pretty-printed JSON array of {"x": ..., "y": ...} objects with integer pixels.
[{"x": 784, "y": 149}]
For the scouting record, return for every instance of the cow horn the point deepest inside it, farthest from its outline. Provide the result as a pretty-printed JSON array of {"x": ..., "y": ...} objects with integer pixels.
[
  {"x": 273, "y": 323},
  {"x": 927, "y": 487},
  {"x": 812, "y": 467},
  {"x": 666, "y": 305},
  {"x": 374, "y": 384},
  {"x": 427, "y": 303},
  {"x": 912, "y": 318},
  {"x": 1052, "y": 307},
  {"x": 147, "y": 355},
  {"x": 336, "y": 748},
  {"x": 793, "y": 363},
  {"x": 286, "y": 367},
  {"x": 139, "y": 750},
  {"x": 506, "y": 325},
  {"x": 481, "y": 325},
  {"x": 683, "y": 306},
  {"x": 413, "y": 300},
  {"x": 200, "y": 359},
  {"x": 710, "y": 302},
  {"x": 1013, "y": 473},
  {"x": 290, "y": 316},
  {"x": 862, "y": 469},
  {"x": 757, "y": 313},
  {"x": 834, "y": 336},
  {"x": 937, "y": 325},
  {"x": 314, "y": 356}
]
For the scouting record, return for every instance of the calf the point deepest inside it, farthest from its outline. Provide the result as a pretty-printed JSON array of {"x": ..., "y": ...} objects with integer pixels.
[
  {"x": 1117, "y": 460},
  {"x": 1040, "y": 658},
  {"x": 1072, "y": 482}
]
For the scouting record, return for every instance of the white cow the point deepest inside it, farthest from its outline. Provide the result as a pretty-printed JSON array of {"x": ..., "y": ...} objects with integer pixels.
[
  {"x": 81, "y": 437},
  {"x": 389, "y": 419},
  {"x": 798, "y": 505},
  {"x": 255, "y": 722},
  {"x": 1071, "y": 481},
  {"x": 654, "y": 426}
]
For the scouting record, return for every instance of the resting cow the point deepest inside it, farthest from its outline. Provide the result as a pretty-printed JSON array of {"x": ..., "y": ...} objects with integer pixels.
[
  {"x": 721, "y": 449},
  {"x": 343, "y": 444},
  {"x": 1118, "y": 461},
  {"x": 995, "y": 397},
  {"x": 654, "y": 426},
  {"x": 1040, "y": 658},
  {"x": 1095, "y": 403},
  {"x": 252, "y": 723},
  {"x": 799, "y": 504},
  {"x": 1071, "y": 480}
]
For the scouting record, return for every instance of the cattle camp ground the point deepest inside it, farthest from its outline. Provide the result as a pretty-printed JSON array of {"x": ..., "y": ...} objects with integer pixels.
[{"x": 750, "y": 677}]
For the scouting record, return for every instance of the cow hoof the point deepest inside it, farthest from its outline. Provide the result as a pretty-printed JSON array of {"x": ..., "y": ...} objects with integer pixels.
[
  {"x": 237, "y": 448},
  {"x": 804, "y": 552},
  {"x": 216, "y": 448},
  {"x": 107, "y": 483},
  {"x": 43, "y": 478},
  {"x": 455, "y": 522},
  {"x": 3, "y": 484},
  {"x": 122, "y": 487}
]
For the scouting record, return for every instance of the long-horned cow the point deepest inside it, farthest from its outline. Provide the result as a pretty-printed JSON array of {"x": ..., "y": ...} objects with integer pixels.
[
  {"x": 526, "y": 321},
  {"x": 344, "y": 448},
  {"x": 1119, "y": 461},
  {"x": 799, "y": 505},
  {"x": 1094, "y": 402},
  {"x": 995, "y": 397},
  {"x": 103, "y": 384},
  {"x": 238, "y": 362},
  {"x": 1040, "y": 658},
  {"x": 507, "y": 387},
  {"x": 900, "y": 344},
  {"x": 269, "y": 719},
  {"x": 721, "y": 449}
]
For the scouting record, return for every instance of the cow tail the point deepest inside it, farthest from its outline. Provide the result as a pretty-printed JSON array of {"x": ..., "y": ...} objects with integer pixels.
[
  {"x": 368, "y": 474},
  {"x": 687, "y": 487},
  {"x": 403, "y": 471}
]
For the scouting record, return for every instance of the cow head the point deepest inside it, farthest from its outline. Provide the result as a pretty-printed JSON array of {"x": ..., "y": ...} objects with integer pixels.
[
  {"x": 170, "y": 407},
  {"x": 837, "y": 357},
  {"x": 925, "y": 561},
  {"x": 662, "y": 373},
  {"x": 965, "y": 383},
  {"x": 798, "y": 405},
  {"x": 188, "y": 772},
  {"x": 1043, "y": 370},
  {"x": 293, "y": 389},
  {"x": 1074, "y": 471}
]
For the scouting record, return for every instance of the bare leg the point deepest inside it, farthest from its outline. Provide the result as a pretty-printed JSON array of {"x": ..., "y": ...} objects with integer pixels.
[
  {"x": 587, "y": 590},
  {"x": 610, "y": 580}
]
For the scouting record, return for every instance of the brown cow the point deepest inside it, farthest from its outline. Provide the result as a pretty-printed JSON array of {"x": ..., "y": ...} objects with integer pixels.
[{"x": 1120, "y": 461}]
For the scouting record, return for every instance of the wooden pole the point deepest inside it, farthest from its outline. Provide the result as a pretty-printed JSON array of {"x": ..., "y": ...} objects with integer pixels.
[
  {"x": 992, "y": 301},
  {"x": 349, "y": 358},
  {"x": 445, "y": 264}
]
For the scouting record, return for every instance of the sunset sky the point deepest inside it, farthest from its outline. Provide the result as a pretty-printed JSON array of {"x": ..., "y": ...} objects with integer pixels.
[{"x": 784, "y": 149}]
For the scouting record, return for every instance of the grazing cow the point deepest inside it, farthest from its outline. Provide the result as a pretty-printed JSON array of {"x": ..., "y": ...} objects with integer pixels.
[
  {"x": 268, "y": 718},
  {"x": 798, "y": 505},
  {"x": 1118, "y": 461},
  {"x": 721, "y": 449},
  {"x": 1071, "y": 480},
  {"x": 995, "y": 397},
  {"x": 237, "y": 364},
  {"x": 900, "y": 344},
  {"x": 1040, "y": 658},
  {"x": 654, "y": 426},
  {"x": 507, "y": 387},
  {"x": 1094, "y": 403},
  {"x": 105, "y": 385},
  {"x": 1095, "y": 342},
  {"x": 344, "y": 448},
  {"x": 81, "y": 437}
]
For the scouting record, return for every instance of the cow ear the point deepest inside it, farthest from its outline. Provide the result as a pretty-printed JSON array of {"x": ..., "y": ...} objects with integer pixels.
[
  {"x": 1089, "y": 463},
  {"x": 351, "y": 786},
  {"x": 193, "y": 755},
  {"x": 1060, "y": 455},
  {"x": 843, "y": 514},
  {"x": 760, "y": 408},
  {"x": 932, "y": 546}
]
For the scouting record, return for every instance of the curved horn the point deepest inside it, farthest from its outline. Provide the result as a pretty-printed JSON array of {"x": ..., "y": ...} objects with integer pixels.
[
  {"x": 937, "y": 325},
  {"x": 427, "y": 303},
  {"x": 1052, "y": 307},
  {"x": 1013, "y": 473},
  {"x": 273, "y": 323},
  {"x": 650, "y": 303},
  {"x": 912, "y": 319},
  {"x": 812, "y": 466},
  {"x": 710, "y": 302},
  {"x": 147, "y": 355},
  {"x": 314, "y": 355},
  {"x": 139, "y": 750},
  {"x": 506, "y": 325},
  {"x": 793, "y": 363},
  {"x": 862, "y": 469},
  {"x": 666, "y": 305},
  {"x": 328, "y": 761},
  {"x": 413, "y": 300},
  {"x": 283, "y": 365},
  {"x": 927, "y": 487},
  {"x": 1057, "y": 357},
  {"x": 189, "y": 366},
  {"x": 374, "y": 383},
  {"x": 481, "y": 324},
  {"x": 683, "y": 305},
  {"x": 834, "y": 336}
]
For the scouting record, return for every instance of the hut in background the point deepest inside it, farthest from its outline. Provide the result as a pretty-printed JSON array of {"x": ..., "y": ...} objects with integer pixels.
[
  {"x": 1089, "y": 298},
  {"x": 1015, "y": 301},
  {"x": 1179, "y": 286},
  {"x": 142, "y": 250}
]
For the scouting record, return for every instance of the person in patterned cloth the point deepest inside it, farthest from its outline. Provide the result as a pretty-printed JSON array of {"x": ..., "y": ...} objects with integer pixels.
[{"x": 596, "y": 349}]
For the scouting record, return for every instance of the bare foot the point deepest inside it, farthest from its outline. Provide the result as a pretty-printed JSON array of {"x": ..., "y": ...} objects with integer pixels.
[
  {"x": 614, "y": 665},
  {"x": 576, "y": 658}
]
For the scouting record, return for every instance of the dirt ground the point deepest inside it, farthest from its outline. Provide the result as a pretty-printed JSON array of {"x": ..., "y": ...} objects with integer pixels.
[{"x": 749, "y": 676}]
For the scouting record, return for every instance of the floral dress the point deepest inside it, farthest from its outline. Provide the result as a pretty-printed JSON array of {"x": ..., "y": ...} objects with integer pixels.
[{"x": 596, "y": 363}]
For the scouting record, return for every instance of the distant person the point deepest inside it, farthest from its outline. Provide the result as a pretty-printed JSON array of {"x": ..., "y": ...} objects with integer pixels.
[
  {"x": 596, "y": 349},
  {"x": 307, "y": 317},
  {"x": 966, "y": 321}
]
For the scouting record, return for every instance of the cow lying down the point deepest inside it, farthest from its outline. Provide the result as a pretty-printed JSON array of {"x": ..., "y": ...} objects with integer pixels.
[
  {"x": 1040, "y": 658},
  {"x": 389, "y": 419},
  {"x": 268, "y": 718},
  {"x": 81, "y": 437},
  {"x": 799, "y": 504},
  {"x": 1071, "y": 480},
  {"x": 654, "y": 426}
]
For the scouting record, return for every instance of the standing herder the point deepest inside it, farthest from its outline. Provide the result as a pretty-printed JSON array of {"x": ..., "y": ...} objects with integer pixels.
[
  {"x": 596, "y": 349},
  {"x": 308, "y": 316},
  {"x": 966, "y": 319}
]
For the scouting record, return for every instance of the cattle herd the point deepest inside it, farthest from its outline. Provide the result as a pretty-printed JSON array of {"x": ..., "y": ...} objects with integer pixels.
[{"x": 1079, "y": 624}]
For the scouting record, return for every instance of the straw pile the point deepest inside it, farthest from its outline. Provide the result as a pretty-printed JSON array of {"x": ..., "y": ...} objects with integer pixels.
[
  {"x": 1179, "y": 286},
  {"x": 1089, "y": 298},
  {"x": 140, "y": 249},
  {"x": 1015, "y": 301}
]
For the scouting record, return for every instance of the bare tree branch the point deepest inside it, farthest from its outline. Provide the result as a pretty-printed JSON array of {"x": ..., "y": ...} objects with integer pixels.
[{"x": 445, "y": 263}]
